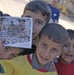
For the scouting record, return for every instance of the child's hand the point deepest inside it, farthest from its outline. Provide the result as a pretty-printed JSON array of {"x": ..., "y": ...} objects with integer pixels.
[{"x": 52, "y": 67}]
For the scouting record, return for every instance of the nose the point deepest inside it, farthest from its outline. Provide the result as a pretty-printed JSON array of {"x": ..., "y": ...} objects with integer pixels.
[
  {"x": 7, "y": 56},
  {"x": 46, "y": 54},
  {"x": 11, "y": 56}
]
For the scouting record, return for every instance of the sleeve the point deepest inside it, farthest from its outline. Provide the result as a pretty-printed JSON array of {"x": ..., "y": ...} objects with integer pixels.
[
  {"x": 6, "y": 68},
  {"x": 11, "y": 67}
]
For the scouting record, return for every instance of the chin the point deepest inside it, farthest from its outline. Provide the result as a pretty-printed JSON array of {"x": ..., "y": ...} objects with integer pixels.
[{"x": 68, "y": 61}]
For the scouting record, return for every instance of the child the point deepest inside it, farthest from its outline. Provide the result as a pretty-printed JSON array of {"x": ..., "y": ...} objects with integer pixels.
[
  {"x": 49, "y": 45},
  {"x": 55, "y": 11},
  {"x": 40, "y": 13},
  {"x": 65, "y": 64}
]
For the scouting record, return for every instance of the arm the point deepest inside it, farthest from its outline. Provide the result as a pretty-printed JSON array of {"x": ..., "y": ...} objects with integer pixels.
[
  {"x": 57, "y": 17},
  {"x": 13, "y": 66},
  {"x": 6, "y": 68}
]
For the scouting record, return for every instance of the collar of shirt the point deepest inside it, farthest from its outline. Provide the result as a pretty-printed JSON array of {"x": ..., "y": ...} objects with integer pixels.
[{"x": 36, "y": 65}]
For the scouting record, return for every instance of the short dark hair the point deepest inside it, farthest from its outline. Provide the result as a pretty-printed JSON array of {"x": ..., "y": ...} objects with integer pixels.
[
  {"x": 5, "y": 14},
  {"x": 55, "y": 32},
  {"x": 1, "y": 13},
  {"x": 40, "y": 6},
  {"x": 71, "y": 33}
]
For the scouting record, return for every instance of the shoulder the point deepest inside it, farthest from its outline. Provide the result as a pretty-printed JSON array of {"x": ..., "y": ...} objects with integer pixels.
[
  {"x": 19, "y": 59},
  {"x": 15, "y": 62}
]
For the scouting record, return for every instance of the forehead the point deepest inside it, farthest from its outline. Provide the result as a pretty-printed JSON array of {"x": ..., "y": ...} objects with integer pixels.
[
  {"x": 37, "y": 15},
  {"x": 50, "y": 42},
  {"x": 70, "y": 40}
]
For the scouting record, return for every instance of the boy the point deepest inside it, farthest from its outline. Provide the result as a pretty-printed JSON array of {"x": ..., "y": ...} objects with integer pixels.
[
  {"x": 65, "y": 64},
  {"x": 40, "y": 13},
  {"x": 49, "y": 45}
]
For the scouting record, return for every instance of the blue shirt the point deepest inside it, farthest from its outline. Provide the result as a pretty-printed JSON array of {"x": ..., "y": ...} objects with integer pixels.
[{"x": 55, "y": 13}]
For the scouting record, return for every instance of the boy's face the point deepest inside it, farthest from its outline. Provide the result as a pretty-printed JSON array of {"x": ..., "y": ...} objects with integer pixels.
[
  {"x": 39, "y": 21},
  {"x": 9, "y": 53},
  {"x": 47, "y": 50},
  {"x": 68, "y": 54}
]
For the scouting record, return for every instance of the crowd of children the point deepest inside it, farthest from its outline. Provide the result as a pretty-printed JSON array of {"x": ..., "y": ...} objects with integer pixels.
[{"x": 49, "y": 41}]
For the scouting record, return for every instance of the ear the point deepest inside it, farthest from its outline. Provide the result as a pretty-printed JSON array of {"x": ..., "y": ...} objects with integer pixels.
[{"x": 36, "y": 41}]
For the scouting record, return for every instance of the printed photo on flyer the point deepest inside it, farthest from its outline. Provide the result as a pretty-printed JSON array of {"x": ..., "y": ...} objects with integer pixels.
[{"x": 16, "y": 31}]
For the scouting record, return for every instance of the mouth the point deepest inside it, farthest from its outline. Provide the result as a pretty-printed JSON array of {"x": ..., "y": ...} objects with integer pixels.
[
  {"x": 45, "y": 59},
  {"x": 69, "y": 55}
]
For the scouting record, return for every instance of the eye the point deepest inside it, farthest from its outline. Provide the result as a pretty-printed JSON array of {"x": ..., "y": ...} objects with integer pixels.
[
  {"x": 44, "y": 45},
  {"x": 14, "y": 55},
  {"x": 66, "y": 46},
  {"x": 6, "y": 49},
  {"x": 54, "y": 50},
  {"x": 73, "y": 45},
  {"x": 38, "y": 22}
]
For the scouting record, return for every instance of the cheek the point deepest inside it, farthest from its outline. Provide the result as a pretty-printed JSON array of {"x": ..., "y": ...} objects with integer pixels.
[
  {"x": 1, "y": 56},
  {"x": 53, "y": 56},
  {"x": 63, "y": 56},
  {"x": 17, "y": 51},
  {"x": 37, "y": 28},
  {"x": 39, "y": 50}
]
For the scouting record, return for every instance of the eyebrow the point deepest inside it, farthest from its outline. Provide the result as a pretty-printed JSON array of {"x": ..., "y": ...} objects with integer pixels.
[
  {"x": 39, "y": 20},
  {"x": 26, "y": 16}
]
